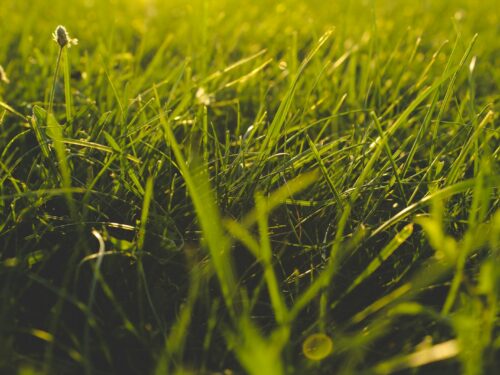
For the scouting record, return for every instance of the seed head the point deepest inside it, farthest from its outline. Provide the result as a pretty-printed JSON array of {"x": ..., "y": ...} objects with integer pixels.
[
  {"x": 62, "y": 38},
  {"x": 3, "y": 75}
]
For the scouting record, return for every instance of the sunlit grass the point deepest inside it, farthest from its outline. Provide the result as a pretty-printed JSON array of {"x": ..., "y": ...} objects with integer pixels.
[{"x": 255, "y": 187}]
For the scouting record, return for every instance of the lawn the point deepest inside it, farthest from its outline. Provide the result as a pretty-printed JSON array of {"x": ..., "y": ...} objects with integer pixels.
[{"x": 249, "y": 187}]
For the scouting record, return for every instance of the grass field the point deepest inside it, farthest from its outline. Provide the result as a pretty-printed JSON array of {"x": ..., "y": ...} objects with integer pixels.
[{"x": 249, "y": 187}]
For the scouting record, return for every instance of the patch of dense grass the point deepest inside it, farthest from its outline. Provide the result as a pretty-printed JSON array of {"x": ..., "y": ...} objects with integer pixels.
[{"x": 252, "y": 187}]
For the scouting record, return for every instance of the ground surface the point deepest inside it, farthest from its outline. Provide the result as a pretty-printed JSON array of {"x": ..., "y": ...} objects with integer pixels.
[{"x": 300, "y": 187}]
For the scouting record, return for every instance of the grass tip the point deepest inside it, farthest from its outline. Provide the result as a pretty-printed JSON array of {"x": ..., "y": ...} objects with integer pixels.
[{"x": 3, "y": 75}]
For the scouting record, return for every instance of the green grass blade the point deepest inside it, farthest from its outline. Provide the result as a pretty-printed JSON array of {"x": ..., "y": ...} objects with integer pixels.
[
  {"x": 266, "y": 257},
  {"x": 384, "y": 254},
  {"x": 273, "y": 133},
  {"x": 325, "y": 173},
  {"x": 8, "y": 108},
  {"x": 148, "y": 196},
  {"x": 198, "y": 185},
  {"x": 67, "y": 87},
  {"x": 395, "y": 168},
  {"x": 459, "y": 161}
]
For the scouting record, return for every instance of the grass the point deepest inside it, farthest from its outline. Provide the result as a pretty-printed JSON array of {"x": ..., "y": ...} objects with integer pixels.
[{"x": 258, "y": 187}]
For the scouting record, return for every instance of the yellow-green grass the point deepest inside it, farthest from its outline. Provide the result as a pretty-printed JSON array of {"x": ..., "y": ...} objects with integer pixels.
[{"x": 293, "y": 187}]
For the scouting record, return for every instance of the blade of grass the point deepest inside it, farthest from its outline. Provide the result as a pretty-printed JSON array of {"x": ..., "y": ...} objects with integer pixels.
[
  {"x": 458, "y": 162},
  {"x": 448, "y": 191},
  {"x": 55, "y": 132},
  {"x": 449, "y": 92},
  {"x": 90, "y": 302},
  {"x": 325, "y": 173},
  {"x": 384, "y": 254},
  {"x": 279, "y": 119},
  {"x": 9, "y": 109},
  {"x": 148, "y": 195},
  {"x": 198, "y": 186},
  {"x": 277, "y": 301},
  {"x": 67, "y": 87},
  {"x": 395, "y": 168}
]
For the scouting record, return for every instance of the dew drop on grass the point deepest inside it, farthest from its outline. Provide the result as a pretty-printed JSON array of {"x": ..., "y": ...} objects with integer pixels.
[{"x": 317, "y": 346}]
